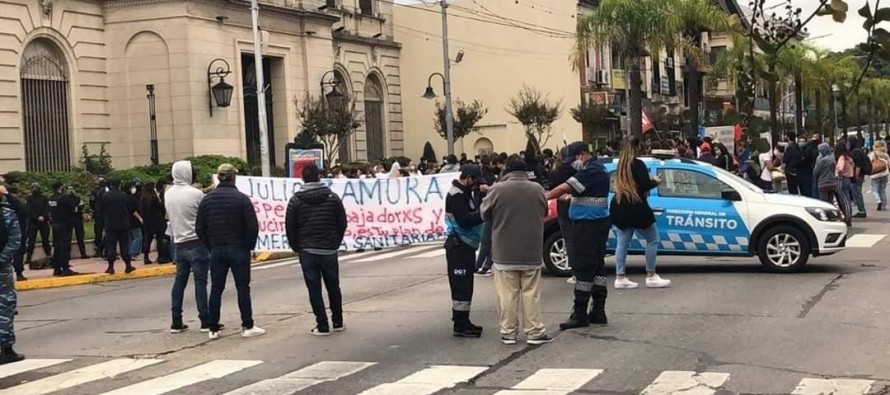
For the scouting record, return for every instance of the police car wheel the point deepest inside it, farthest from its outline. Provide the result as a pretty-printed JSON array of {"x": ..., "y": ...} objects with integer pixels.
[
  {"x": 555, "y": 257},
  {"x": 783, "y": 249}
]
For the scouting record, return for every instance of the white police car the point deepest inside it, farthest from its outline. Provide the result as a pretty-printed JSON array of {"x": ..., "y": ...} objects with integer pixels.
[{"x": 702, "y": 210}]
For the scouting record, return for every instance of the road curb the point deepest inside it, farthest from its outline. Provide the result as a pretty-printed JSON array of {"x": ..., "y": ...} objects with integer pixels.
[{"x": 93, "y": 278}]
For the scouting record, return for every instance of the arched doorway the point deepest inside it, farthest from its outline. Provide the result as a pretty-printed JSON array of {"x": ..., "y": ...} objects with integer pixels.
[
  {"x": 45, "y": 97},
  {"x": 484, "y": 146},
  {"x": 374, "y": 128}
]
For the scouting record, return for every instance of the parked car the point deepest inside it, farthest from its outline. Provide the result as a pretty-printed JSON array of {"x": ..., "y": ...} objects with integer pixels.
[{"x": 702, "y": 210}]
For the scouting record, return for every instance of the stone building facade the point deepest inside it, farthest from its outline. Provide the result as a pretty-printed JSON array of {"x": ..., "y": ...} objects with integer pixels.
[{"x": 75, "y": 73}]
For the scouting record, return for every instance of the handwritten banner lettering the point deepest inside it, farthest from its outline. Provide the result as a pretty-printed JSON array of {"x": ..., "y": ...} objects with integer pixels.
[{"x": 380, "y": 212}]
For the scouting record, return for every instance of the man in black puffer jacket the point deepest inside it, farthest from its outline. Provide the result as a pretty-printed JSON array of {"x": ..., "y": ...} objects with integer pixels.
[
  {"x": 227, "y": 225},
  {"x": 316, "y": 223}
]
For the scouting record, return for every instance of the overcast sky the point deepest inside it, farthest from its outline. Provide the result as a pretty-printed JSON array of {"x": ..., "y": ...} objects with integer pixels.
[{"x": 824, "y": 32}]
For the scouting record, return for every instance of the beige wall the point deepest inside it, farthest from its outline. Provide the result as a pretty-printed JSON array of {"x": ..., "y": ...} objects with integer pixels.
[{"x": 499, "y": 60}]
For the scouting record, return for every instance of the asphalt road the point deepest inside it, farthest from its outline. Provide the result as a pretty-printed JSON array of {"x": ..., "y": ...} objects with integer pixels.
[{"x": 725, "y": 327}]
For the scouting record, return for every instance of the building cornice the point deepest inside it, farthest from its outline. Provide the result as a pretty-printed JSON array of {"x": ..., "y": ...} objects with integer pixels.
[
  {"x": 236, "y": 4},
  {"x": 354, "y": 38}
]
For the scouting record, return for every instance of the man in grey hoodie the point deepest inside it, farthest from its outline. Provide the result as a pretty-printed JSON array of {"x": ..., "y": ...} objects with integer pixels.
[{"x": 182, "y": 201}]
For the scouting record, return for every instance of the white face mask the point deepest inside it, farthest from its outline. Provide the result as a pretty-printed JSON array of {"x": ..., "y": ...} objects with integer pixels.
[
  {"x": 133, "y": 190},
  {"x": 578, "y": 164}
]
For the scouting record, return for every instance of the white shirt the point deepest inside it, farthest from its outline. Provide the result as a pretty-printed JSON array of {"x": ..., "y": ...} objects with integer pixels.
[{"x": 765, "y": 158}]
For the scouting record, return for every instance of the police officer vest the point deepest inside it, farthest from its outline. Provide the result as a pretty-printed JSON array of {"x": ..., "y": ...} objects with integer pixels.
[{"x": 590, "y": 192}]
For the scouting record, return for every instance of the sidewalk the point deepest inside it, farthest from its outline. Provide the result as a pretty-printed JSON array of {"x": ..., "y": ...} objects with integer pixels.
[{"x": 93, "y": 271}]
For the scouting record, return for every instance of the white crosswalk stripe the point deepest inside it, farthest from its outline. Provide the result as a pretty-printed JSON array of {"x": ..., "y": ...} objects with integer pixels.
[
  {"x": 691, "y": 383},
  {"x": 833, "y": 387},
  {"x": 80, "y": 376},
  {"x": 553, "y": 382},
  {"x": 394, "y": 254},
  {"x": 432, "y": 254},
  {"x": 28, "y": 365},
  {"x": 428, "y": 381},
  {"x": 171, "y": 382},
  {"x": 863, "y": 240},
  {"x": 303, "y": 378}
]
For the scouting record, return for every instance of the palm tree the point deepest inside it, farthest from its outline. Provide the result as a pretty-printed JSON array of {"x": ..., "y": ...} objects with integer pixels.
[
  {"x": 634, "y": 28},
  {"x": 695, "y": 17}
]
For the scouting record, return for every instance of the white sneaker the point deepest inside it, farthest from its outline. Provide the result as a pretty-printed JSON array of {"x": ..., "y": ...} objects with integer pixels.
[
  {"x": 213, "y": 335},
  {"x": 571, "y": 280},
  {"x": 657, "y": 282},
  {"x": 625, "y": 283},
  {"x": 253, "y": 332}
]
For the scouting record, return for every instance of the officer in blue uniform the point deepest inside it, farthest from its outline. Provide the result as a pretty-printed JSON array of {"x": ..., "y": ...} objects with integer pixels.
[
  {"x": 464, "y": 234},
  {"x": 10, "y": 241},
  {"x": 589, "y": 215}
]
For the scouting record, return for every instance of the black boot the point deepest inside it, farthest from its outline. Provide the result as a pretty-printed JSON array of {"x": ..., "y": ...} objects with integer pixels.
[
  {"x": 598, "y": 312},
  {"x": 110, "y": 269},
  {"x": 462, "y": 325},
  {"x": 20, "y": 277},
  {"x": 578, "y": 319},
  {"x": 8, "y": 355},
  {"x": 130, "y": 268}
]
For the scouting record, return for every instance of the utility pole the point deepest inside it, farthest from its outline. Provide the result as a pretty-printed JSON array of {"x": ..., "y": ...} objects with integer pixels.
[
  {"x": 449, "y": 116},
  {"x": 260, "y": 89}
]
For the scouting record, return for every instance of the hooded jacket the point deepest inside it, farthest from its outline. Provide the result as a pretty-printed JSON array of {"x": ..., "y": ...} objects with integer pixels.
[
  {"x": 182, "y": 201},
  {"x": 824, "y": 170},
  {"x": 315, "y": 220}
]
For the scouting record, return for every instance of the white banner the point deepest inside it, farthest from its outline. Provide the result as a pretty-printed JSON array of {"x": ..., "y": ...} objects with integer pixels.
[{"x": 380, "y": 212}]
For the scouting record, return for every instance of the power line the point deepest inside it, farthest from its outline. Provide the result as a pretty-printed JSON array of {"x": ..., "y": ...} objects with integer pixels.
[
  {"x": 476, "y": 46},
  {"x": 536, "y": 6},
  {"x": 489, "y": 21},
  {"x": 514, "y": 21}
]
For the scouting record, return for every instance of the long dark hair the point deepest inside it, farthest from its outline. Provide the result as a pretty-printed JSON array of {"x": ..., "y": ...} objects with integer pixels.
[
  {"x": 840, "y": 149},
  {"x": 626, "y": 189},
  {"x": 148, "y": 198}
]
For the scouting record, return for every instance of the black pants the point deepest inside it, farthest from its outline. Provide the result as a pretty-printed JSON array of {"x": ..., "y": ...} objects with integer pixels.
[
  {"x": 793, "y": 184},
  {"x": 99, "y": 241},
  {"x": 806, "y": 186},
  {"x": 79, "y": 234},
  {"x": 61, "y": 247},
  {"x": 589, "y": 260},
  {"x": 315, "y": 269},
  {"x": 33, "y": 227},
  {"x": 115, "y": 239},
  {"x": 461, "y": 265},
  {"x": 146, "y": 242},
  {"x": 18, "y": 260}
]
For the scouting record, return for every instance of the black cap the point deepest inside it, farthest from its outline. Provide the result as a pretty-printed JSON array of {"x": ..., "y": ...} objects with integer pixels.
[
  {"x": 471, "y": 170},
  {"x": 576, "y": 148}
]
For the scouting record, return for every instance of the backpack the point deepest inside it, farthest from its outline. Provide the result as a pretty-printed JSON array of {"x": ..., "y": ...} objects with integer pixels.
[
  {"x": 878, "y": 166},
  {"x": 861, "y": 161},
  {"x": 753, "y": 171}
]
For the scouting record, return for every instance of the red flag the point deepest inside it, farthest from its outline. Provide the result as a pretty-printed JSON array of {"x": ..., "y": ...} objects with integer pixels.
[
  {"x": 647, "y": 123},
  {"x": 738, "y": 132}
]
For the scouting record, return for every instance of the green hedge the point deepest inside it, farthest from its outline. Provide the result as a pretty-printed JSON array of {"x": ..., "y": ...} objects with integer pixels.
[{"x": 205, "y": 166}]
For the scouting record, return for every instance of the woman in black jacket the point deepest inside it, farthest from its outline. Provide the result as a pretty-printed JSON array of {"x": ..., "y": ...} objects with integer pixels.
[
  {"x": 154, "y": 219},
  {"x": 630, "y": 213}
]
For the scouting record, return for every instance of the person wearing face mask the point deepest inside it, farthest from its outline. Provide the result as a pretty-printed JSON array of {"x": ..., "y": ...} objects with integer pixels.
[
  {"x": 118, "y": 209},
  {"x": 38, "y": 220},
  {"x": 589, "y": 213},
  {"x": 135, "y": 191},
  {"x": 96, "y": 206},
  {"x": 464, "y": 228},
  {"x": 62, "y": 209},
  {"x": 77, "y": 223}
]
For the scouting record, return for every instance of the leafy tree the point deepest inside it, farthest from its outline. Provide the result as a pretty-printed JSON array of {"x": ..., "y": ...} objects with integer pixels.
[
  {"x": 635, "y": 29},
  {"x": 428, "y": 153},
  {"x": 331, "y": 124},
  {"x": 466, "y": 116},
  {"x": 594, "y": 120},
  {"x": 536, "y": 114}
]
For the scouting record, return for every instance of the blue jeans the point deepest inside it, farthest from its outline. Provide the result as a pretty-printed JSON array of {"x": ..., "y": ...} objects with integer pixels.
[
  {"x": 315, "y": 269},
  {"x": 135, "y": 241},
  {"x": 237, "y": 259},
  {"x": 857, "y": 195},
  {"x": 625, "y": 236},
  {"x": 483, "y": 260},
  {"x": 192, "y": 258},
  {"x": 879, "y": 189}
]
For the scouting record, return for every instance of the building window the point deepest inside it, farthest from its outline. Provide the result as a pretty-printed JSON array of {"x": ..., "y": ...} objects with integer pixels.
[
  {"x": 331, "y": 3},
  {"x": 366, "y": 6},
  {"x": 716, "y": 54},
  {"x": 45, "y": 102},
  {"x": 345, "y": 153},
  {"x": 375, "y": 130}
]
